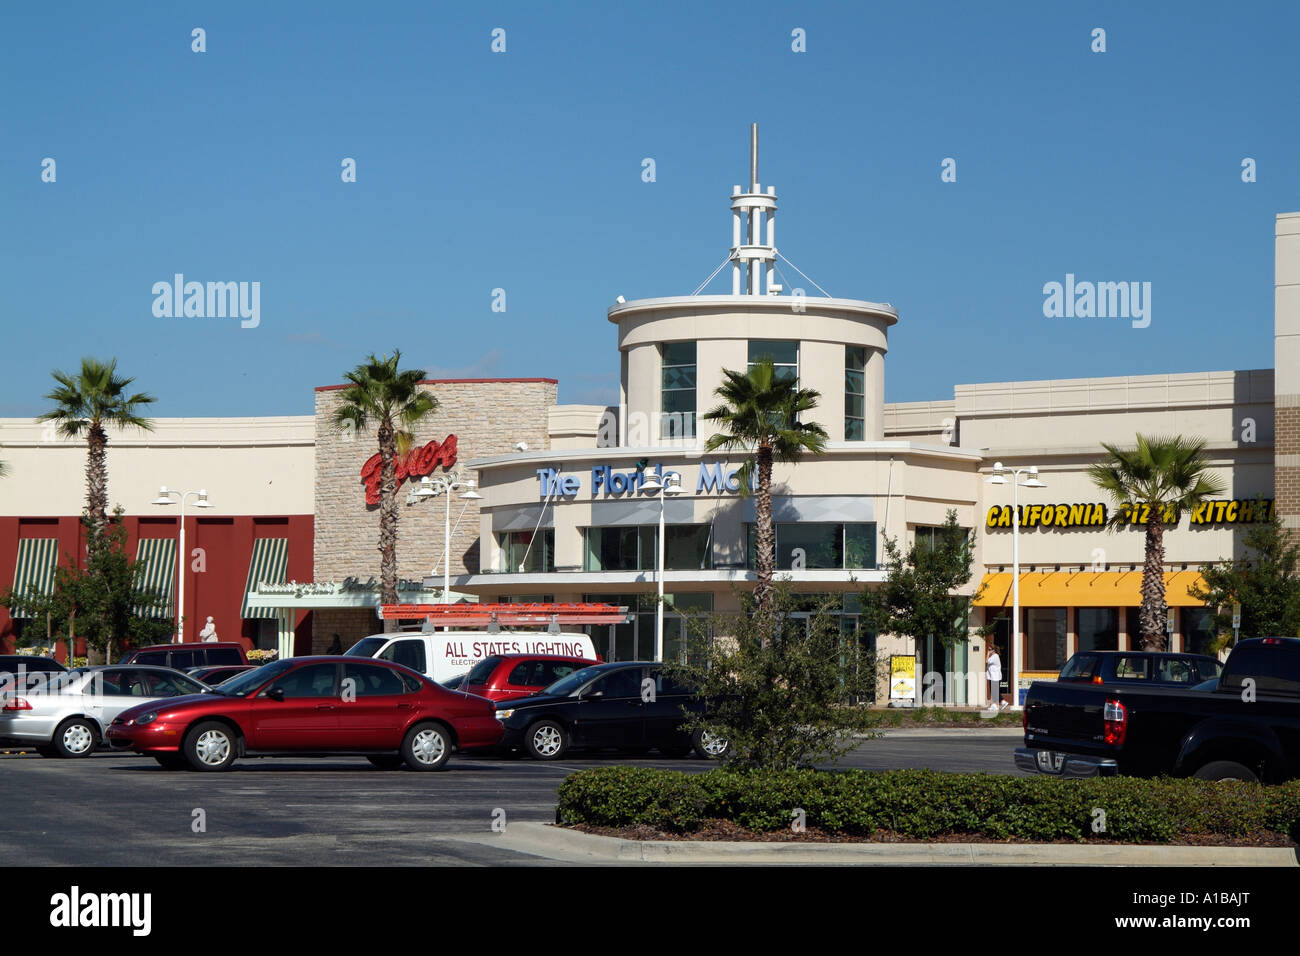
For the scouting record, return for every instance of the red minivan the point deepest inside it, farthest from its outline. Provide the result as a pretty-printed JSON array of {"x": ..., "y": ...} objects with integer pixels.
[{"x": 508, "y": 676}]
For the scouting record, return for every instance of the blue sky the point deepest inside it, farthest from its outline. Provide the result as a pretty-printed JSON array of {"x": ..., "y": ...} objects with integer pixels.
[{"x": 522, "y": 170}]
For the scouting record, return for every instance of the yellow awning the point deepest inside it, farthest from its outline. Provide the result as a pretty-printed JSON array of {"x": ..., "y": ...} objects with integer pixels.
[{"x": 1085, "y": 589}]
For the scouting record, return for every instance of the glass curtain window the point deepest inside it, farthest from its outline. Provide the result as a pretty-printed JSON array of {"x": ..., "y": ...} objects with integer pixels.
[
  {"x": 784, "y": 355},
  {"x": 855, "y": 393},
  {"x": 540, "y": 557},
  {"x": 1198, "y": 630},
  {"x": 1044, "y": 638},
  {"x": 686, "y": 548},
  {"x": 1098, "y": 629},
  {"x": 927, "y": 536},
  {"x": 820, "y": 546},
  {"x": 677, "y": 391}
]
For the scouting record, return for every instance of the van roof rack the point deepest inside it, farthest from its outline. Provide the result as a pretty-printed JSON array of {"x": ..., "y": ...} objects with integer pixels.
[{"x": 494, "y": 616}]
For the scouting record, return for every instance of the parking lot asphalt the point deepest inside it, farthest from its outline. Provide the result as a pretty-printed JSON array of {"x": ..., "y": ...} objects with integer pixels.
[{"x": 125, "y": 810}]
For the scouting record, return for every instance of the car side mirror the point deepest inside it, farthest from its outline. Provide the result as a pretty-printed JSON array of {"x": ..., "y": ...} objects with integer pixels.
[{"x": 275, "y": 693}]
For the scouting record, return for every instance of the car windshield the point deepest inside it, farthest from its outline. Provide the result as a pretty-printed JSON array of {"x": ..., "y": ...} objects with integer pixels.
[
  {"x": 244, "y": 684},
  {"x": 567, "y": 685},
  {"x": 366, "y": 647},
  {"x": 482, "y": 670}
]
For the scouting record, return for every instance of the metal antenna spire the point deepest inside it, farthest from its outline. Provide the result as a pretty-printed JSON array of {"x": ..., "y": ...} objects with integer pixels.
[
  {"x": 752, "y": 252},
  {"x": 753, "y": 154}
]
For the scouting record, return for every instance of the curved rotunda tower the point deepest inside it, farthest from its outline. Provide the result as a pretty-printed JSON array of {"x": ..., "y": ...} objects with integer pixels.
[{"x": 672, "y": 350}]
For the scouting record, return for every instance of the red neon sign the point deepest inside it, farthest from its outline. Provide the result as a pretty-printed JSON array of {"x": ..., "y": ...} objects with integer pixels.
[{"x": 417, "y": 463}]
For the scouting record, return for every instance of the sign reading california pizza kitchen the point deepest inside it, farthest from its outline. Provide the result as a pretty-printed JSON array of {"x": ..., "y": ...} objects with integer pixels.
[{"x": 1096, "y": 515}]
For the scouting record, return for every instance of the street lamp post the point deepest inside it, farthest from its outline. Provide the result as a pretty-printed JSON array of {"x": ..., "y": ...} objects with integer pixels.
[
  {"x": 670, "y": 485},
  {"x": 998, "y": 478},
  {"x": 434, "y": 485},
  {"x": 165, "y": 498}
]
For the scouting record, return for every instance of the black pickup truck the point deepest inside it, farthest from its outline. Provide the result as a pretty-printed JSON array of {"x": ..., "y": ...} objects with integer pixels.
[{"x": 1246, "y": 728}]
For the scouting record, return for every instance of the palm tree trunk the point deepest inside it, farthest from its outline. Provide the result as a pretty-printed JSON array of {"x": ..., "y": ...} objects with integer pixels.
[
  {"x": 765, "y": 535},
  {"x": 97, "y": 478},
  {"x": 388, "y": 520},
  {"x": 1151, "y": 619}
]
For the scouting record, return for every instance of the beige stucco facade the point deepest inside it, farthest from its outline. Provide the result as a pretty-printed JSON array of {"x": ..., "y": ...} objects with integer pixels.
[{"x": 249, "y": 466}]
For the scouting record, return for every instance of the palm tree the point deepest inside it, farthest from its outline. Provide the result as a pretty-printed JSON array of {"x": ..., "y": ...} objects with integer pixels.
[
  {"x": 760, "y": 416},
  {"x": 379, "y": 394},
  {"x": 86, "y": 404},
  {"x": 1163, "y": 474}
]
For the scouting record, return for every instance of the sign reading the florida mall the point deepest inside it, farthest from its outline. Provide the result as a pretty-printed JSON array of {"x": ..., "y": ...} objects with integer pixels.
[
  {"x": 609, "y": 483},
  {"x": 414, "y": 464},
  {"x": 1095, "y": 514}
]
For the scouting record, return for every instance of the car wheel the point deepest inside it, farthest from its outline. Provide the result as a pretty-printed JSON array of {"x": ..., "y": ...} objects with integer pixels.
[
  {"x": 171, "y": 761},
  {"x": 210, "y": 746},
  {"x": 1226, "y": 770},
  {"x": 709, "y": 745},
  {"x": 546, "y": 740},
  {"x": 427, "y": 747},
  {"x": 75, "y": 737},
  {"x": 385, "y": 761}
]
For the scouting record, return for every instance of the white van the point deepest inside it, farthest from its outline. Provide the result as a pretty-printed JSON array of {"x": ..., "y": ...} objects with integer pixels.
[{"x": 442, "y": 655}]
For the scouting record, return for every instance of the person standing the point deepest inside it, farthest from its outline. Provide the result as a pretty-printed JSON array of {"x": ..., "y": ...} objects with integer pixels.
[
  {"x": 993, "y": 670},
  {"x": 209, "y": 632}
]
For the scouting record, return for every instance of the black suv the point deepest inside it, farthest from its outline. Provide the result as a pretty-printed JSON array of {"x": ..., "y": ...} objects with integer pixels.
[{"x": 1145, "y": 668}]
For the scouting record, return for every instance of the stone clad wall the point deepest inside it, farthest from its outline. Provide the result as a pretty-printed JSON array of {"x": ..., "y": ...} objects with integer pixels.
[{"x": 488, "y": 417}]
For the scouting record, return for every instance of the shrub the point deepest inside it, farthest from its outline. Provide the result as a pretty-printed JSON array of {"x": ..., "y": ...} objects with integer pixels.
[{"x": 924, "y": 804}]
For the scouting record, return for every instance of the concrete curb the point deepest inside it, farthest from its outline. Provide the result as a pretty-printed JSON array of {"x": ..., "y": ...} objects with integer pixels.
[
  {"x": 572, "y": 846},
  {"x": 953, "y": 732}
]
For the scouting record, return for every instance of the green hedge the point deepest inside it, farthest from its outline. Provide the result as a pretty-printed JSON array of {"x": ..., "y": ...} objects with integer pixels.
[{"x": 923, "y": 804}]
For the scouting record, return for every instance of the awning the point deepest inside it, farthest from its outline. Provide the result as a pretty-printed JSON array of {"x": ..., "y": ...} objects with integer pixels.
[
  {"x": 37, "y": 559},
  {"x": 1086, "y": 589},
  {"x": 269, "y": 565},
  {"x": 157, "y": 560}
]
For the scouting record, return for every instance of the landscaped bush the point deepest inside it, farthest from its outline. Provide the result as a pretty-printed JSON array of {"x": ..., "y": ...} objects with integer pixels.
[{"x": 924, "y": 804}]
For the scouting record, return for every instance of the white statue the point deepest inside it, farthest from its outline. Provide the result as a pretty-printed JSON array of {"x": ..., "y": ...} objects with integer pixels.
[{"x": 209, "y": 632}]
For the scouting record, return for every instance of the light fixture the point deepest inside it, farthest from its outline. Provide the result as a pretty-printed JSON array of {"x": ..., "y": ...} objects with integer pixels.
[
  {"x": 203, "y": 501},
  {"x": 996, "y": 477},
  {"x": 651, "y": 484},
  {"x": 162, "y": 498}
]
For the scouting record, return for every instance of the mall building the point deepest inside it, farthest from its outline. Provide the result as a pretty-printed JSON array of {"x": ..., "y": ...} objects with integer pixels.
[{"x": 558, "y": 513}]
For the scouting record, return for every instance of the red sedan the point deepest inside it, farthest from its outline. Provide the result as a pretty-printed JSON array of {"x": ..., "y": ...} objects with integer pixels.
[{"x": 311, "y": 705}]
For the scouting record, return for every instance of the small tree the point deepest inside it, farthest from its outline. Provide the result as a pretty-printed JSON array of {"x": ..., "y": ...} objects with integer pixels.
[
  {"x": 1264, "y": 582},
  {"x": 784, "y": 702},
  {"x": 392, "y": 401},
  {"x": 761, "y": 415},
  {"x": 1160, "y": 474},
  {"x": 86, "y": 403},
  {"x": 916, "y": 598}
]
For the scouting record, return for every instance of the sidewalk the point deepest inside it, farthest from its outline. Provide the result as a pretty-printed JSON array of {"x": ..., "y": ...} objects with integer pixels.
[{"x": 572, "y": 846}]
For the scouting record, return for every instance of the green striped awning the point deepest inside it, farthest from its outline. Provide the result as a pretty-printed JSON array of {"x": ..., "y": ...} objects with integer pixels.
[
  {"x": 270, "y": 565},
  {"x": 37, "y": 559},
  {"x": 156, "y": 558}
]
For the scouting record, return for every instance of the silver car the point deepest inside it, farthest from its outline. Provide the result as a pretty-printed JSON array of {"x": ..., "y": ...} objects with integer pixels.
[{"x": 67, "y": 717}]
